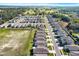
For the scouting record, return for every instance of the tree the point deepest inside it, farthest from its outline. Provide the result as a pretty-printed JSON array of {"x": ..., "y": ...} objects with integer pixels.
[{"x": 65, "y": 18}]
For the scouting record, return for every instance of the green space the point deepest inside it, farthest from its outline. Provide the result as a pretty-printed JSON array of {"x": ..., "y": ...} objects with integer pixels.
[
  {"x": 65, "y": 52},
  {"x": 48, "y": 42},
  {"x": 16, "y": 42},
  {"x": 74, "y": 34},
  {"x": 50, "y": 54},
  {"x": 76, "y": 20},
  {"x": 50, "y": 47}
]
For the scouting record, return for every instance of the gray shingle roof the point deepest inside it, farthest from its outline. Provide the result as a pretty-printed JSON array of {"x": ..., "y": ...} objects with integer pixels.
[
  {"x": 40, "y": 55},
  {"x": 72, "y": 47},
  {"x": 40, "y": 44},
  {"x": 40, "y": 38},
  {"x": 42, "y": 50},
  {"x": 74, "y": 53}
]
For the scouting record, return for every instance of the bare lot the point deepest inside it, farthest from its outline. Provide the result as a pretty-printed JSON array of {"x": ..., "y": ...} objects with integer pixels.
[{"x": 16, "y": 42}]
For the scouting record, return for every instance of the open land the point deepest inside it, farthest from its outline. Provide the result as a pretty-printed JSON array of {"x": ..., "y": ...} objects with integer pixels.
[{"x": 16, "y": 42}]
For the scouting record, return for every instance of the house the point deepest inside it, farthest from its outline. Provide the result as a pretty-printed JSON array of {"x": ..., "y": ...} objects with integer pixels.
[
  {"x": 69, "y": 40},
  {"x": 72, "y": 47},
  {"x": 40, "y": 54},
  {"x": 74, "y": 53},
  {"x": 40, "y": 41},
  {"x": 42, "y": 50},
  {"x": 41, "y": 31},
  {"x": 40, "y": 38},
  {"x": 40, "y": 44},
  {"x": 40, "y": 35}
]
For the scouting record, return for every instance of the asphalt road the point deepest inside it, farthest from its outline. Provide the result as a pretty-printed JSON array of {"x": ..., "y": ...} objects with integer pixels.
[{"x": 54, "y": 43}]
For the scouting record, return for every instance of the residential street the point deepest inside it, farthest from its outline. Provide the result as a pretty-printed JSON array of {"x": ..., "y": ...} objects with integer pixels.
[{"x": 54, "y": 43}]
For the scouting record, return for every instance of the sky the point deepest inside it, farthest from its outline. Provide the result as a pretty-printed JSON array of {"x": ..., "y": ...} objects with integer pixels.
[{"x": 40, "y": 2}]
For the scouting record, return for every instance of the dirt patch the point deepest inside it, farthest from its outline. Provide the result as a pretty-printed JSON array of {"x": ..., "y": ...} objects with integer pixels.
[{"x": 12, "y": 41}]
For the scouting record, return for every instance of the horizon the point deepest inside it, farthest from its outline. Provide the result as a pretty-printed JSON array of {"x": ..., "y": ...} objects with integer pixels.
[{"x": 39, "y": 4}]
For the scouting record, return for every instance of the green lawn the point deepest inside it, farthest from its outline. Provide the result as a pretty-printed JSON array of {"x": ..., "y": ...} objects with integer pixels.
[
  {"x": 76, "y": 20},
  {"x": 50, "y": 54},
  {"x": 65, "y": 52},
  {"x": 49, "y": 47},
  {"x": 74, "y": 35}
]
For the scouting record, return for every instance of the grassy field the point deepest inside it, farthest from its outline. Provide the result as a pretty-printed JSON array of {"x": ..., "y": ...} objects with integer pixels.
[
  {"x": 76, "y": 20},
  {"x": 16, "y": 41}
]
